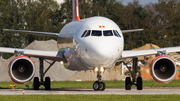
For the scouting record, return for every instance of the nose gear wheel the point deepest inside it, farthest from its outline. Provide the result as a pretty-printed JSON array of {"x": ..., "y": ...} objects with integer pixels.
[{"x": 99, "y": 86}]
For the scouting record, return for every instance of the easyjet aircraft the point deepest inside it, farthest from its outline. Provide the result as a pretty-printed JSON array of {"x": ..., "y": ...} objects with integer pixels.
[{"x": 97, "y": 45}]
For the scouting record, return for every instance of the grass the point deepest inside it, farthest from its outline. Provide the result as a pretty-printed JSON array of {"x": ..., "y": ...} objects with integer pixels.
[
  {"x": 88, "y": 84},
  {"x": 89, "y": 97}
]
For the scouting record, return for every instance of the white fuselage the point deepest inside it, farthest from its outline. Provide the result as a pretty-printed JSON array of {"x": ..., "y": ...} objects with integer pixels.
[{"x": 96, "y": 43}]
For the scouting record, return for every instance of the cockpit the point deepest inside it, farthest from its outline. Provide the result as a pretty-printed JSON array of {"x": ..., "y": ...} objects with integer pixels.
[{"x": 99, "y": 33}]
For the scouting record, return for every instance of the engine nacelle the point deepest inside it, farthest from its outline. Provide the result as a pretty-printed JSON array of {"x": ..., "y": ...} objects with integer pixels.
[
  {"x": 163, "y": 69},
  {"x": 21, "y": 69}
]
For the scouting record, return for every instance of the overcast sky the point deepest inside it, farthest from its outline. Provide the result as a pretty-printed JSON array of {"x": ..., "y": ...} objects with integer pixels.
[
  {"x": 142, "y": 2},
  {"x": 59, "y": 1},
  {"x": 125, "y": 2}
]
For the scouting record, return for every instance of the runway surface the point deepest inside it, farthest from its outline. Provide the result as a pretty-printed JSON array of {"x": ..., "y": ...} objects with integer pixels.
[{"x": 146, "y": 91}]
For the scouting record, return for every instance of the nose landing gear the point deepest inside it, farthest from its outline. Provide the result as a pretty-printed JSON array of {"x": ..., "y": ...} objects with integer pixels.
[{"x": 98, "y": 85}]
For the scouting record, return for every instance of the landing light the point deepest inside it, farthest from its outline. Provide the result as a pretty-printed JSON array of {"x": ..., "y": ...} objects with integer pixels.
[
  {"x": 62, "y": 62},
  {"x": 102, "y": 69},
  {"x": 96, "y": 69}
]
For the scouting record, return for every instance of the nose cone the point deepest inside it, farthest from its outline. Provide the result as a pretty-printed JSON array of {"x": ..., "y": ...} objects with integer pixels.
[{"x": 104, "y": 53}]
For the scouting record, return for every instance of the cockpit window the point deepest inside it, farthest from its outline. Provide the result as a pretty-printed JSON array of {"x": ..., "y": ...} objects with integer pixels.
[
  {"x": 87, "y": 33},
  {"x": 84, "y": 33},
  {"x": 108, "y": 33},
  {"x": 96, "y": 33},
  {"x": 116, "y": 33}
]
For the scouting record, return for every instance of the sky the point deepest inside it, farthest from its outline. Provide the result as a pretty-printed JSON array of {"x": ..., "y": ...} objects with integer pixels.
[
  {"x": 142, "y": 2},
  {"x": 125, "y": 2},
  {"x": 59, "y": 1}
]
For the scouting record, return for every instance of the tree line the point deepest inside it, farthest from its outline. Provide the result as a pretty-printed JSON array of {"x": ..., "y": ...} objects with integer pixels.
[{"x": 160, "y": 21}]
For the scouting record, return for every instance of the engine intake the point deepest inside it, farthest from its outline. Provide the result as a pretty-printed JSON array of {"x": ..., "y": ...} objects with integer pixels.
[
  {"x": 21, "y": 69},
  {"x": 163, "y": 69}
]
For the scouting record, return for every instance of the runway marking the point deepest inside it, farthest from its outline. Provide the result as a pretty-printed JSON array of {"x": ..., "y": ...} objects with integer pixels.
[{"x": 91, "y": 91}]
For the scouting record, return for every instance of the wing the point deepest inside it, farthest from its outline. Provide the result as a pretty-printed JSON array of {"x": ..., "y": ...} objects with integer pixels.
[
  {"x": 52, "y": 55},
  {"x": 33, "y": 32},
  {"x": 132, "y": 30},
  {"x": 139, "y": 53}
]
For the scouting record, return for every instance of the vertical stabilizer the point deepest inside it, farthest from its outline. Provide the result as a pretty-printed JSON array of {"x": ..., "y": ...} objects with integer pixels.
[{"x": 75, "y": 10}]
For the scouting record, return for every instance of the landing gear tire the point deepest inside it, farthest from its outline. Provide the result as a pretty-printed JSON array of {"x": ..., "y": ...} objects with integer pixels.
[
  {"x": 102, "y": 86},
  {"x": 47, "y": 83},
  {"x": 36, "y": 83},
  {"x": 139, "y": 83},
  {"x": 96, "y": 86},
  {"x": 99, "y": 86},
  {"x": 128, "y": 83}
]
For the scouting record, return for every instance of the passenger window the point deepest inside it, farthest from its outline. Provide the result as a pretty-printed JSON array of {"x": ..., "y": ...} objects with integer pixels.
[
  {"x": 108, "y": 33},
  {"x": 96, "y": 33},
  {"x": 116, "y": 33},
  {"x": 87, "y": 34},
  {"x": 84, "y": 33}
]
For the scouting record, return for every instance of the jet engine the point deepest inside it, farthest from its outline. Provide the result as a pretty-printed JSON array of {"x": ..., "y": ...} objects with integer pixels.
[
  {"x": 21, "y": 69},
  {"x": 163, "y": 69}
]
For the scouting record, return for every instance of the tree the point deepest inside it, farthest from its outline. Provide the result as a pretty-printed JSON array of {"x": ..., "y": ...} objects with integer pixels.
[
  {"x": 39, "y": 17},
  {"x": 27, "y": 15},
  {"x": 11, "y": 18},
  {"x": 166, "y": 22},
  {"x": 133, "y": 16}
]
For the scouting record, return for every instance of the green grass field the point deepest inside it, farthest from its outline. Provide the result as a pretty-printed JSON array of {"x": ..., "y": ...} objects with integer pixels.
[
  {"x": 89, "y": 97},
  {"x": 88, "y": 84}
]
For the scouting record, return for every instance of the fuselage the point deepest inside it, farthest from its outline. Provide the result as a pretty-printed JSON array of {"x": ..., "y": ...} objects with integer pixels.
[{"x": 98, "y": 43}]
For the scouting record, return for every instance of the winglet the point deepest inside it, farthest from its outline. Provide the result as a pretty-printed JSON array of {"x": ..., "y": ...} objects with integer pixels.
[{"x": 75, "y": 10}]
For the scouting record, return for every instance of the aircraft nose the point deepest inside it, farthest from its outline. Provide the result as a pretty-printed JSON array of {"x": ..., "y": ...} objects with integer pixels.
[
  {"x": 105, "y": 53},
  {"x": 100, "y": 52}
]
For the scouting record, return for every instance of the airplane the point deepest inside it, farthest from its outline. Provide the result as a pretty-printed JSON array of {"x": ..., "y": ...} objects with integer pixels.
[{"x": 98, "y": 43}]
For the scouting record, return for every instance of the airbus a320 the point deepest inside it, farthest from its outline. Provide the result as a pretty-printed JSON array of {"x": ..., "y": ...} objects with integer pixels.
[{"x": 98, "y": 43}]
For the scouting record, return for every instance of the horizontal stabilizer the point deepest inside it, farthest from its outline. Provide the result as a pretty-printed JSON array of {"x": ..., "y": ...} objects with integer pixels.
[
  {"x": 132, "y": 30},
  {"x": 33, "y": 32}
]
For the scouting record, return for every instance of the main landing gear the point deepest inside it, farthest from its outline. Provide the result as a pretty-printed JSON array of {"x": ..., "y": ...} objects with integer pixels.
[
  {"x": 98, "y": 85},
  {"x": 47, "y": 82},
  {"x": 136, "y": 79}
]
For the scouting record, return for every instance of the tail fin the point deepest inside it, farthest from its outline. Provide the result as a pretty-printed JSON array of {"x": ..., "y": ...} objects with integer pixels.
[{"x": 75, "y": 10}]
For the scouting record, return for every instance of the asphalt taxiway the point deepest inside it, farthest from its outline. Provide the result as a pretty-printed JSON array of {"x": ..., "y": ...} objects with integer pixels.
[{"x": 115, "y": 91}]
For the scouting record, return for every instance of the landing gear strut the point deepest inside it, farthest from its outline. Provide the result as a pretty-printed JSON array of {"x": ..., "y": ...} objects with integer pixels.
[
  {"x": 47, "y": 82},
  {"x": 98, "y": 85},
  {"x": 136, "y": 80}
]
